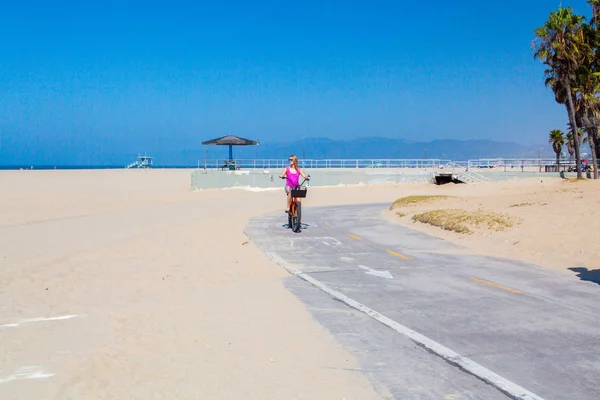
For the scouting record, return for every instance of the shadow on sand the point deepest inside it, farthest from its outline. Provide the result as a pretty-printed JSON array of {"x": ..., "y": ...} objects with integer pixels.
[{"x": 587, "y": 275}]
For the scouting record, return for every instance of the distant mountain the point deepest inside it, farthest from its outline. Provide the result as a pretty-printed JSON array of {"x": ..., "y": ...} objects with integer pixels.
[
  {"x": 362, "y": 148},
  {"x": 319, "y": 148}
]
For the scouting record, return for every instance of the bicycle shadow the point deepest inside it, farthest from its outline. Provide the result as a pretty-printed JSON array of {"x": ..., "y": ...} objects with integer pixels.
[
  {"x": 302, "y": 226},
  {"x": 587, "y": 275}
]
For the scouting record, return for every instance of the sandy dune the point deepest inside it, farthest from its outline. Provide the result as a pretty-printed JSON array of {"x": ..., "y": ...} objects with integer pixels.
[{"x": 555, "y": 220}]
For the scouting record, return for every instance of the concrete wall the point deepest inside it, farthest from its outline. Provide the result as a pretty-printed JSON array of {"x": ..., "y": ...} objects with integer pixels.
[
  {"x": 216, "y": 179},
  {"x": 211, "y": 179}
]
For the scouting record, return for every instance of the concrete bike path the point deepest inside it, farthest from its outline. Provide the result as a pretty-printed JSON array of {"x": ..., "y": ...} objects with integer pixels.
[{"x": 429, "y": 323}]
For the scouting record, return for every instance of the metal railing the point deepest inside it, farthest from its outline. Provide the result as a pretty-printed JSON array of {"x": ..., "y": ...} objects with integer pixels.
[
  {"x": 514, "y": 162},
  {"x": 482, "y": 163},
  {"x": 474, "y": 176},
  {"x": 327, "y": 164}
]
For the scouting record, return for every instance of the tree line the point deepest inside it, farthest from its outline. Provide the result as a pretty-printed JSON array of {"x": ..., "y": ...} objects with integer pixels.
[{"x": 569, "y": 46}]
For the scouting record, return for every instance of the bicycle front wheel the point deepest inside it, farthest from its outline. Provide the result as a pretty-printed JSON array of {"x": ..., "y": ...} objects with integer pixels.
[{"x": 296, "y": 217}]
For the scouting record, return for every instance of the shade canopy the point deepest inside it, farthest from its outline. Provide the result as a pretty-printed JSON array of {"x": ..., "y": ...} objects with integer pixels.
[{"x": 230, "y": 141}]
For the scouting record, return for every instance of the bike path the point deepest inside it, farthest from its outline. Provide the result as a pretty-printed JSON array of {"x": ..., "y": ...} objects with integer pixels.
[{"x": 534, "y": 327}]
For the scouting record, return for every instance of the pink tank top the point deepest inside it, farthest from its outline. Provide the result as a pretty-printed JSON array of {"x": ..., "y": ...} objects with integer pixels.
[{"x": 292, "y": 179}]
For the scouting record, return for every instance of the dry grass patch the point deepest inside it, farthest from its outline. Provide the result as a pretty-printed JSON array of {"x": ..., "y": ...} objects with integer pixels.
[
  {"x": 463, "y": 221},
  {"x": 571, "y": 190},
  {"x": 401, "y": 214},
  {"x": 523, "y": 205},
  {"x": 414, "y": 200},
  {"x": 528, "y": 204},
  {"x": 575, "y": 180}
]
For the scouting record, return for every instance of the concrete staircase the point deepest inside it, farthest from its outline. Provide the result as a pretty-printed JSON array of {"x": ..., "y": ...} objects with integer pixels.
[{"x": 440, "y": 178}]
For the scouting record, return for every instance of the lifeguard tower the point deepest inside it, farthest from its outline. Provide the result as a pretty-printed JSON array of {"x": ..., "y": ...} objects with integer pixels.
[{"x": 143, "y": 161}]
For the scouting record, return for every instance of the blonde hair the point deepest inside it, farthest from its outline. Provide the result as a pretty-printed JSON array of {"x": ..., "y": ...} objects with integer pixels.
[{"x": 294, "y": 160}]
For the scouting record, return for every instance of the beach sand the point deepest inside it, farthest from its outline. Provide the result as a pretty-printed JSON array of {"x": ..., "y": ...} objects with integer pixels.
[
  {"x": 167, "y": 299},
  {"x": 554, "y": 220},
  {"x": 170, "y": 299}
]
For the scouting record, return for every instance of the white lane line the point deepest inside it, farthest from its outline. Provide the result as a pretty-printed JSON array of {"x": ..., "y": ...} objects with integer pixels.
[
  {"x": 506, "y": 386},
  {"x": 31, "y": 372},
  {"x": 326, "y": 240},
  {"x": 41, "y": 319},
  {"x": 374, "y": 272}
]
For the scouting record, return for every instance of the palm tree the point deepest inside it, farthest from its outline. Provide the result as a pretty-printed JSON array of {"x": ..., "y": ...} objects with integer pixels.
[
  {"x": 581, "y": 136},
  {"x": 586, "y": 87},
  {"x": 557, "y": 140},
  {"x": 595, "y": 10},
  {"x": 593, "y": 139},
  {"x": 560, "y": 94},
  {"x": 588, "y": 116},
  {"x": 594, "y": 25},
  {"x": 560, "y": 44},
  {"x": 570, "y": 146},
  {"x": 589, "y": 135}
]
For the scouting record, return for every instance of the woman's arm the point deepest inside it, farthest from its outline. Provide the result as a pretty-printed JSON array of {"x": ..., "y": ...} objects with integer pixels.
[
  {"x": 303, "y": 175},
  {"x": 282, "y": 175}
]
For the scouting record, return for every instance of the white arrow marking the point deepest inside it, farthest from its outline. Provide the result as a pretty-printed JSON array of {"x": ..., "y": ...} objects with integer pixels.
[
  {"x": 326, "y": 240},
  {"x": 32, "y": 372},
  {"x": 381, "y": 274},
  {"x": 26, "y": 321}
]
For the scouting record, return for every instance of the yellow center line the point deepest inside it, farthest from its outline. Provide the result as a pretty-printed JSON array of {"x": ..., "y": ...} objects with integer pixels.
[
  {"x": 398, "y": 255},
  {"x": 497, "y": 286},
  {"x": 354, "y": 237}
]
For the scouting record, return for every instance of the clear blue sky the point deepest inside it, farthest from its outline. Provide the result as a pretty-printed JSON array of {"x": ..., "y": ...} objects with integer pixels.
[{"x": 128, "y": 76}]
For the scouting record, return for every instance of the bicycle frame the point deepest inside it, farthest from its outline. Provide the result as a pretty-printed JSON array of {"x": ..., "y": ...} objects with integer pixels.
[{"x": 294, "y": 215}]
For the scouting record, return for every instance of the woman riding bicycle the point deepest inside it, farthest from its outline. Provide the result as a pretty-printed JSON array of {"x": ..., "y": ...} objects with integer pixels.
[{"x": 291, "y": 174}]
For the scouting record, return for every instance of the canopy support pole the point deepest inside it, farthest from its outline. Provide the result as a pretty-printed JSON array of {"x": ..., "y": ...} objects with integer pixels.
[{"x": 230, "y": 153}]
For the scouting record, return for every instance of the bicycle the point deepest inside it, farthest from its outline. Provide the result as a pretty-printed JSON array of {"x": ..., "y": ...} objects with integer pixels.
[{"x": 295, "y": 211}]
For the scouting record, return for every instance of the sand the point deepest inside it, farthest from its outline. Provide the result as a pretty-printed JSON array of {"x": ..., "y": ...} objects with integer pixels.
[
  {"x": 555, "y": 220},
  {"x": 167, "y": 299},
  {"x": 170, "y": 301}
]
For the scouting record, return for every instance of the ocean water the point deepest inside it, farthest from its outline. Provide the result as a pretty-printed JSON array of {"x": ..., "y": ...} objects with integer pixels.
[{"x": 47, "y": 167}]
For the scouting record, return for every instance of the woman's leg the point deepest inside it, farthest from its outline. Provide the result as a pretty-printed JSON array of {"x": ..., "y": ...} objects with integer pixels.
[{"x": 289, "y": 198}]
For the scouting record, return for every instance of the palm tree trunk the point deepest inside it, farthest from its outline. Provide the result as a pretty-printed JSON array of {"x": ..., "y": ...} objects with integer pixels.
[
  {"x": 593, "y": 138},
  {"x": 596, "y": 144},
  {"x": 571, "y": 109},
  {"x": 558, "y": 162},
  {"x": 597, "y": 150}
]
